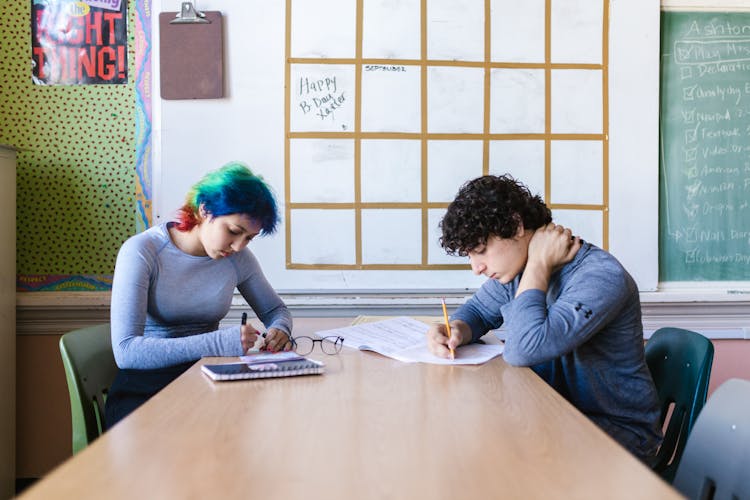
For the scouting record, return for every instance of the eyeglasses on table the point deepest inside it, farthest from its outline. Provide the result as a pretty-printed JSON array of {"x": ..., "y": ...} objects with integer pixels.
[{"x": 305, "y": 345}]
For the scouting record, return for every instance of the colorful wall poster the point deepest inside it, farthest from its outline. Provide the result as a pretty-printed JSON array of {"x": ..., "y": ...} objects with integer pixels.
[{"x": 79, "y": 42}]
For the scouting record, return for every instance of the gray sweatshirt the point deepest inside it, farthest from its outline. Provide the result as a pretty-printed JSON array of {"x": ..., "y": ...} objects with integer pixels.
[
  {"x": 584, "y": 337},
  {"x": 166, "y": 304}
]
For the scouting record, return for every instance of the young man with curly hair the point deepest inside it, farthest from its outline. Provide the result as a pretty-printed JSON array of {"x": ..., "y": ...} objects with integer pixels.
[{"x": 571, "y": 311}]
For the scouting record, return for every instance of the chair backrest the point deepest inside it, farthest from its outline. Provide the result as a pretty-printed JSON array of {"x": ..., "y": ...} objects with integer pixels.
[
  {"x": 716, "y": 461},
  {"x": 680, "y": 364},
  {"x": 90, "y": 369}
]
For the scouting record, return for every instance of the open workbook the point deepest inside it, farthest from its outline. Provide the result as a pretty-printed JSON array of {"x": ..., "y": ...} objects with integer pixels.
[
  {"x": 403, "y": 338},
  {"x": 264, "y": 365}
]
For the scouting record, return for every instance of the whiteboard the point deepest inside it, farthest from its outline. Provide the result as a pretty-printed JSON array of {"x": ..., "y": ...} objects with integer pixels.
[{"x": 360, "y": 203}]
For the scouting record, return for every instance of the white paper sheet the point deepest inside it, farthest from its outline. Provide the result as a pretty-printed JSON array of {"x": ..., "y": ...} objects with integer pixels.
[{"x": 404, "y": 339}]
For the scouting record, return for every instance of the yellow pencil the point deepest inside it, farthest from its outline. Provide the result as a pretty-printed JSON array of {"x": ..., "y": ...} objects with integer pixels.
[{"x": 448, "y": 326}]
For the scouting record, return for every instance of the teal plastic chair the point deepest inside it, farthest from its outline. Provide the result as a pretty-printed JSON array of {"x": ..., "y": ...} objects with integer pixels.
[
  {"x": 90, "y": 369},
  {"x": 716, "y": 461},
  {"x": 680, "y": 364}
]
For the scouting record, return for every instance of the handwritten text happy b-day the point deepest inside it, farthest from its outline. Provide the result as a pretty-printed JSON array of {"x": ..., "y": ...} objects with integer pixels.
[{"x": 320, "y": 96}]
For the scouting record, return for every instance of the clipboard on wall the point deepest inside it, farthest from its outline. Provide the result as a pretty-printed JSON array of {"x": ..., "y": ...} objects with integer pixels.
[{"x": 191, "y": 54}]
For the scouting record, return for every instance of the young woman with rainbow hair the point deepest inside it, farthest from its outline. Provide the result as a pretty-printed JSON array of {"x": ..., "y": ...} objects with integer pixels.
[{"x": 174, "y": 282}]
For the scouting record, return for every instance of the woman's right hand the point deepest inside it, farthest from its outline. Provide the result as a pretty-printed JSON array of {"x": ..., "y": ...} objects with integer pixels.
[{"x": 248, "y": 337}]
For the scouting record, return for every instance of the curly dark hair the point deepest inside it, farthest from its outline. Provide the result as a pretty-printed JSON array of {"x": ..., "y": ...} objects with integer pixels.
[{"x": 490, "y": 206}]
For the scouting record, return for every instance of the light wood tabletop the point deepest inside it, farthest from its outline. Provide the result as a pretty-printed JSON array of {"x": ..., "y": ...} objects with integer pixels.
[{"x": 369, "y": 428}]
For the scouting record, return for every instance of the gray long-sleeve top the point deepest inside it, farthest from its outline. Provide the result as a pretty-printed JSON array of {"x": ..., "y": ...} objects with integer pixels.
[
  {"x": 167, "y": 305},
  {"x": 584, "y": 337}
]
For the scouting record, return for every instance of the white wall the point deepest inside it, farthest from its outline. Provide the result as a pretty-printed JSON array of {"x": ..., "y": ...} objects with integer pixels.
[{"x": 191, "y": 137}]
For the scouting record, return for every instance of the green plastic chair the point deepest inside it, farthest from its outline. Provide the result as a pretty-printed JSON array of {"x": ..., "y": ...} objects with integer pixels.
[
  {"x": 680, "y": 364},
  {"x": 90, "y": 369}
]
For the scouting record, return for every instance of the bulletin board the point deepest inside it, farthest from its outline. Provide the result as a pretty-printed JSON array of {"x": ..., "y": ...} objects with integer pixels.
[{"x": 367, "y": 122}]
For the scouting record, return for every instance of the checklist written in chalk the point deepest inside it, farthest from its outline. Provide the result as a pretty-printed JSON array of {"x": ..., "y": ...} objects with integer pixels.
[{"x": 705, "y": 155}]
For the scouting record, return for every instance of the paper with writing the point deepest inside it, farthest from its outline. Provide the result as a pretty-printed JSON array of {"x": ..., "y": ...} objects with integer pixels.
[{"x": 404, "y": 339}]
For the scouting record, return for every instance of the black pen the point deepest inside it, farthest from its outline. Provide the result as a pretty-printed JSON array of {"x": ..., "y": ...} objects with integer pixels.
[{"x": 244, "y": 321}]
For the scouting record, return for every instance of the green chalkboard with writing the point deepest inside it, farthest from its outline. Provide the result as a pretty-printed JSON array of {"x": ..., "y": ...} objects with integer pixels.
[{"x": 704, "y": 164}]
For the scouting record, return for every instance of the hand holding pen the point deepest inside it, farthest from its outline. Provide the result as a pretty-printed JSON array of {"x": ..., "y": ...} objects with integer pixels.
[
  {"x": 273, "y": 340},
  {"x": 443, "y": 344},
  {"x": 248, "y": 335},
  {"x": 448, "y": 328}
]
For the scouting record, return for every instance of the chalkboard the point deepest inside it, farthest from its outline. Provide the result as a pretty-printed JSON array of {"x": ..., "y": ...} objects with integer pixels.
[{"x": 704, "y": 215}]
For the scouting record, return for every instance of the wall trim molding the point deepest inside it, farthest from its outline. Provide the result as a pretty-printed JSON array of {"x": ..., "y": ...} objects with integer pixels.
[{"x": 719, "y": 316}]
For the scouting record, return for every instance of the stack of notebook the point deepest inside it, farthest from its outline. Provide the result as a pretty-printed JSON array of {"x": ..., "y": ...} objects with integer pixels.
[{"x": 265, "y": 365}]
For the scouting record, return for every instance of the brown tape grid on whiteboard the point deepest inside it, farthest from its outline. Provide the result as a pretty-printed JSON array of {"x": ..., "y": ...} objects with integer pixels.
[
  {"x": 191, "y": 58},
  {"x": 358, "y": 135}
]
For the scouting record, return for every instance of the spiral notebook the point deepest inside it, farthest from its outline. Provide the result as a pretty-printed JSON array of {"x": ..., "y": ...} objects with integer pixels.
[{"x": 270, "y": 369}]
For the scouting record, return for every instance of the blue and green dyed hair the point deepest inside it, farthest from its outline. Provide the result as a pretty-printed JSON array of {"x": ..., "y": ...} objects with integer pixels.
[{"x": 232, "y": 189}]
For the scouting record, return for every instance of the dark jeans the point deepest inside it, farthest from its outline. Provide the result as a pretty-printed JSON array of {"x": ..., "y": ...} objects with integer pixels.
[{"x": 132, "y": 388}]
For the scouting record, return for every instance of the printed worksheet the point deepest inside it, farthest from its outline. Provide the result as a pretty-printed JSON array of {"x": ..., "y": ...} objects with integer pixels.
[{"x": 404, "y": 339}]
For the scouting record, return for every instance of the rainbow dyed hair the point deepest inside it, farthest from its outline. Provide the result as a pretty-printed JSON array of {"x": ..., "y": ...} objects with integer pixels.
[{"x": 232, "y": 189}]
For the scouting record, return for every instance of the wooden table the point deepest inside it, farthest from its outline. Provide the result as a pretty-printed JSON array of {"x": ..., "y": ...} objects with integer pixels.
[{"x": 370, "y": 428}]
